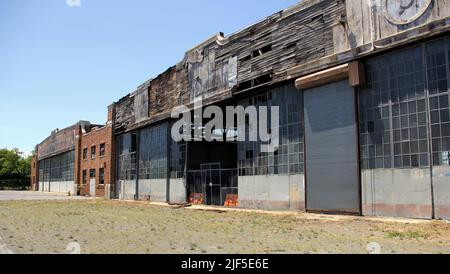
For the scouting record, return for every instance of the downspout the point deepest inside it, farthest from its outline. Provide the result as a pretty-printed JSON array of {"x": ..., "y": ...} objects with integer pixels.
[
  {"x": 168, "y": 159},
  {"x": 373, "y": 10},
  {"x": 136, "y": 196}
]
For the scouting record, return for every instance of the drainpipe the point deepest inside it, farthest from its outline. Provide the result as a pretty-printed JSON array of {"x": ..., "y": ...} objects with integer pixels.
[
  {"x": 373, "y": 10},
  {"x": 136, "y": 196},
  {"x": 168, "y": 158}
]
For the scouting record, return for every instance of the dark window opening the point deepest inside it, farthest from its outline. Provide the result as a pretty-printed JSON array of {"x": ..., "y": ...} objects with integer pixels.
[
  {"x": 246, "y": 58},
  {"x": 84, "y": 177},
  {"x": 291, "y": 45},
  {"x": 102, "y": 150},
  {"x": 262, "y": 51},
  {"x": 133, "y": 147},
  {"x": 245, "y": 85},
  {"x": 266, "y": 78},
  {"x": 93, "y": 152},
  {"x": 85, "y": 152},
  {"x": 101, "y": 175},
  {"x": 92, "y": 173}
]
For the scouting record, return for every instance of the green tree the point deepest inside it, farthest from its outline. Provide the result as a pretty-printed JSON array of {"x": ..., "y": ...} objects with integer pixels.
[{"x": 13, "y": 164}]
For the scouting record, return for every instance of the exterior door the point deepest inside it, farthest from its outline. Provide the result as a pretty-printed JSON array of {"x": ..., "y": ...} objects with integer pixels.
[
  {"x": 332, "y": 170},
  {"x": 92, "y": 187}
]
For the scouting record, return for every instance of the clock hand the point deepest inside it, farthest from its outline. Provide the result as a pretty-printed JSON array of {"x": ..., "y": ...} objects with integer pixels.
[
  {"x": 403, "y": 7},
  {"x": 407, "y": 6}
]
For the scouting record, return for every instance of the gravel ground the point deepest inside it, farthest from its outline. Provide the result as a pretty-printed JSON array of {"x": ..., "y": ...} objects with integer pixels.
[{"x": 119, "y": 227}]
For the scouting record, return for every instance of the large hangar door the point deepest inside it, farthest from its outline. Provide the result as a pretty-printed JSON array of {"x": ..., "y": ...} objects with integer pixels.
[{"x": 332, "y": 175}]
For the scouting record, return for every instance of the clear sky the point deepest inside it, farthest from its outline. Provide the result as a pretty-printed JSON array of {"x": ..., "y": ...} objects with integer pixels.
[{"x": 61, "y": 64}]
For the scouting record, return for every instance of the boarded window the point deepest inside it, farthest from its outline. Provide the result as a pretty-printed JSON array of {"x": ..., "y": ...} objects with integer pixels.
[{"x": 141, "y": 105}]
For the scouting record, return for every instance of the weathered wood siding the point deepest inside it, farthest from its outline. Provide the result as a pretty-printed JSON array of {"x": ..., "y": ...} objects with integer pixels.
[
  {"x": 308, "y": 37},
  {"x": 368, "y": 22},
  {"x": 255, "y": 56}
]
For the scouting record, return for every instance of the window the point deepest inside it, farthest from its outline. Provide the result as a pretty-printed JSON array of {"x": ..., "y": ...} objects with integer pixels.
[
  {"x": 102, "y": 150},
  {"x": 101, "y": 175},
  {"x": 439, "y": 99},
  {"x": 85, "y": 152},
  {"x": 289, "y": 158},
  {"x": 58, "y": 168},
  {"x": 153, "y": 152},
  {"x": 84, "y": 179},
  {"x": 400, "y": 121},
  {"x": 92, "y": 173},
  {"x": 93, "y": 152},
  {"x": 133, "y": 147},
  {"x": 126, "y": 162}
]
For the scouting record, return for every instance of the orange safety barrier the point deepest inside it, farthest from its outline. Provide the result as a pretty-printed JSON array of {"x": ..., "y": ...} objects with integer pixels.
[
  {"x": 197, "y": 199},
  {"x": 232, "y": 200}
]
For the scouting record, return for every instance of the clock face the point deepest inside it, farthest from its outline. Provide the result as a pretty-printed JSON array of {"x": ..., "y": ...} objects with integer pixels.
[{"x": 402, "y": 12}]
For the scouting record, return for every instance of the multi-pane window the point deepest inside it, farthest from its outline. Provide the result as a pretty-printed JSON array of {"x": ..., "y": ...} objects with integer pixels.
[
  {"x": 93, "y": 149},
  {"x": 102, "y": 150},
  {"x": 289, "y": 157},
  {"x": 84, "y": 177},
  {"x": 177, "y": 159},
  {"x": 58, "y": 168},
  {"x": 438, "y": 67},
  {"x": 92, "y": 173},
  {"x": 85, "y": 153},
  {"x": 101, "y": 176},
  {"x": 126, "y": 160},
  {"x": 398, "y": 115},
  {"x": 153, "y": 152}
]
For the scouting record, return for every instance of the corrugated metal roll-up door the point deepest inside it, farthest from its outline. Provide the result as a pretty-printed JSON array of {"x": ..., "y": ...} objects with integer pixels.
[{"x": 331, "y": 149}]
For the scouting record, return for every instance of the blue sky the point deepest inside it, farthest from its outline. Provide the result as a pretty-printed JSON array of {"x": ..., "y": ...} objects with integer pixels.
[{"x": 61, "y": 64}]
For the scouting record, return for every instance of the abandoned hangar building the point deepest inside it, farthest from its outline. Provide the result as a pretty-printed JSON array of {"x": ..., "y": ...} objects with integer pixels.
[{"x": 363, "y": 92}]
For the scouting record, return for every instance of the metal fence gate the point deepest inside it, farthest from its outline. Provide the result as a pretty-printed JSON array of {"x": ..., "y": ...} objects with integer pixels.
[{"x": 212, "y": 185}]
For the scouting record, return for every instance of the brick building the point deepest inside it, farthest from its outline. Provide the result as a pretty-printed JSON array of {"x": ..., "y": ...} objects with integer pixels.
[
  {"x": 96, "y": 160},
  {"x": 363, "y": 92},
  {"x": 63, "y": 162}
]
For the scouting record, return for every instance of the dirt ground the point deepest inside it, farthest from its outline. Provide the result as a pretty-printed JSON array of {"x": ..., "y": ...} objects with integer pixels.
[{"x": 119, "y": 227}]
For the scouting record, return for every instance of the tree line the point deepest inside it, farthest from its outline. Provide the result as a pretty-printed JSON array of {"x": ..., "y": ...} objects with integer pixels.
[{"x": 15, "y": 167}]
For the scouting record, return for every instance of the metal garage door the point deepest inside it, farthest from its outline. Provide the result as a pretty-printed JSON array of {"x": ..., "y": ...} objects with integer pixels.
[{"x": 331, "y": 149}]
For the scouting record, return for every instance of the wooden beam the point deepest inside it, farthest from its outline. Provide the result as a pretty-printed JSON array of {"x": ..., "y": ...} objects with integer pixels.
[
  {"x": 356, "y": 74},
  {"x": 323, "y": 77}
]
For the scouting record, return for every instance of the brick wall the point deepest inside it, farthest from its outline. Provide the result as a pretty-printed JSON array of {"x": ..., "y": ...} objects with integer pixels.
[
  {"x": 34, "y": 176},
  {"x": 95, "y": 139}
]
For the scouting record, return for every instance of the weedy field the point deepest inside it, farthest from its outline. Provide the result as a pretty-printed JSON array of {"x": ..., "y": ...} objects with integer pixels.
[{"x": 119, "y": 227}]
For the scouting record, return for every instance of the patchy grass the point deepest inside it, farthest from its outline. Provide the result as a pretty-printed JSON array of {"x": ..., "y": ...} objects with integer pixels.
[
  {"x": 119, "y": 227},
  {"x": 407, "y": 235}
]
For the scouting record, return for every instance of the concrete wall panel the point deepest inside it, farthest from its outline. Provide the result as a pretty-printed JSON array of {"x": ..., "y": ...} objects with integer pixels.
[
  {"x": 397, "y": 193},
  {"x": 275, "y": 192},
  {"x": 153, "y": 190},
  {"x": 178, "y": 191},
  {"x": 127, "y": 189},
  {"x": 441, "y": 180}
]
